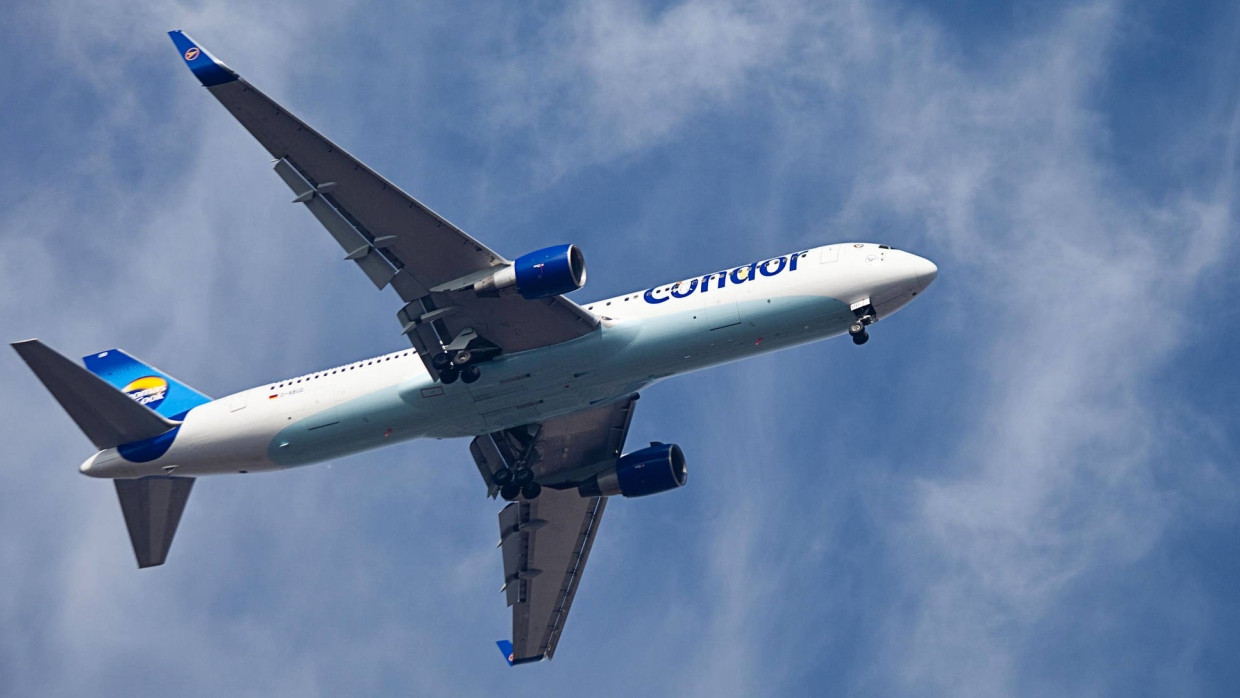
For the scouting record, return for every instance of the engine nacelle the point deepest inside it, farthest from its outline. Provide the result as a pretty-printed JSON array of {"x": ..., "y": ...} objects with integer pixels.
[
  {"x": 540, "y": 274},
  {"x": 658, "y": 468}
]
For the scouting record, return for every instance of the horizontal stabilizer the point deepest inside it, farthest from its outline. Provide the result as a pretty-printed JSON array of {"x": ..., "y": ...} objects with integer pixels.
[
  {"x": 152, "y": 507},
  {"x": 107, "y": 416}
]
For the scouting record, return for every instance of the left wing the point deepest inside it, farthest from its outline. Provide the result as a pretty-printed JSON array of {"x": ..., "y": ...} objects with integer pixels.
[
  {"x": 546, "y": 541},
  {"x": 392, "y": 237}
]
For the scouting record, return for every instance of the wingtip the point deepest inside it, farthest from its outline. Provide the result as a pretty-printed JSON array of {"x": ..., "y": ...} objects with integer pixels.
[
  {"x": 207, "y": 68},
  {"x": 505, "y": 648}
]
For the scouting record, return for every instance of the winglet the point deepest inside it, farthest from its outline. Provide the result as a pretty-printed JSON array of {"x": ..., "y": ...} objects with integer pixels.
[
  {"x": 509, "y": 656},
  {"x": 506, "y": 648},
  {"x": 206, "y": 68}
]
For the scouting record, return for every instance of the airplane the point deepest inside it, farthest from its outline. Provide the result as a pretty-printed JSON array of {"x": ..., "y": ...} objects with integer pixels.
[{"x": 544, "y": 387}]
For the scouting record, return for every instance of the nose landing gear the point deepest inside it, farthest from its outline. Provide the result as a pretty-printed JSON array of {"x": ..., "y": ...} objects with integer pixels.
[{"x": 865, "y": 317}]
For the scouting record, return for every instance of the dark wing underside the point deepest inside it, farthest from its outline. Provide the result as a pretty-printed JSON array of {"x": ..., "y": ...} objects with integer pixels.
[
  {"x": 395, "y": 239},
  {"x": 546, "y": 541}
]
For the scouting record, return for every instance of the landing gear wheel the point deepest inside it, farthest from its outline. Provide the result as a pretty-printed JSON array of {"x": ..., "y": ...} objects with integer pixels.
[
  {"x": 509, "y": 492},
  {"x": 462, "y": 357},
  {"x": 856, "y": 328},
  {"x": 441, "y": 361},
  {"x": 523, "y": 477},
  {"x": 502, "y": 477},
  {"x": 469, "y": 374},
  {"x": 531, "y": 490},
  {"x": 861, "y": 337},
  {"x": 448, "y": 376}
]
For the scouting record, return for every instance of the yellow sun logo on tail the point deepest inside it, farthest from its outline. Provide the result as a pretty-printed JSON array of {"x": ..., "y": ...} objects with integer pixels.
[{"x": 148, "y": 390}]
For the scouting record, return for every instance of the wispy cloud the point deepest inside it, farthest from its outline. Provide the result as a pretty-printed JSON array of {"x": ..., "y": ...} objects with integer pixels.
[{"x": 945, "y": 510}]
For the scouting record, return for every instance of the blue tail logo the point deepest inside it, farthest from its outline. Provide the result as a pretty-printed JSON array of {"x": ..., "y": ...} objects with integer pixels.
[
  {"x": 144, "y": 383},
  {"x": 147, "y": 390}
]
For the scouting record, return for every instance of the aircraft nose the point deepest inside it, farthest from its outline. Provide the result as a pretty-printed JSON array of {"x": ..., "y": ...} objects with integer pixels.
[{"x": 926, "y": 271}]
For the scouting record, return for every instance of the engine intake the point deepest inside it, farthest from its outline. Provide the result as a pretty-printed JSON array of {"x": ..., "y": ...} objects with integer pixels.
[
  {"x": 551, "y": 271},
  {"x": 658, "y": 468}
]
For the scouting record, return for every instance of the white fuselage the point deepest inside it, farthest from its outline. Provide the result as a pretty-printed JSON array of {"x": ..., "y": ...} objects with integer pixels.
[{"x": 644, "y": 336}]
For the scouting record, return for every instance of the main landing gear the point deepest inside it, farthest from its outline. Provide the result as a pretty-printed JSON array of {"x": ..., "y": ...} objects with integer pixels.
[
  {"x": 515, "y": 478},
  {"x": 865, "y": 317},
  {"x": 460, "y": 359},
  {"x": 456, "y": 365},
  {"x": 516, "y": 482}
]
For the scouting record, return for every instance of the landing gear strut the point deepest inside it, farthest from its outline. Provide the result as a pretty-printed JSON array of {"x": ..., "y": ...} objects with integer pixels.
[
  {"x": 516, "y": 481},
  {"x": 865, "y": 317}
]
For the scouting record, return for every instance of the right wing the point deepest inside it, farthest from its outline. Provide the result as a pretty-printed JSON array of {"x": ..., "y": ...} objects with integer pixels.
[
  {"x": 546, "y": 541},
  {"x": 392, "y": 237}
]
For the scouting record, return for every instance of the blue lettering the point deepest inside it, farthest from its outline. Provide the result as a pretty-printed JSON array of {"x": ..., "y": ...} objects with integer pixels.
[
  {"x": 739, "y": 275},
  {"x": 742, "y": 274},
  {"x": 765, "y": 267},
  {"x": 692, "y": 286}
]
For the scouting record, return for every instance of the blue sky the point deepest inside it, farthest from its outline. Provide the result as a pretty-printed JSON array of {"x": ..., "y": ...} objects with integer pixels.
[{"x": 1025, "y": 484}]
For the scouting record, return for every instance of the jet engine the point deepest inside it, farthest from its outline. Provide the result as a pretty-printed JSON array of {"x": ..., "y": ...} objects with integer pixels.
[
  {"x": 543, "y": 273},
  {"x": 658, "y": 468}
]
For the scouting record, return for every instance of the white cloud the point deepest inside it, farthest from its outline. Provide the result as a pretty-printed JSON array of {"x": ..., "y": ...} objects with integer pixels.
[{"x": 1064, "y": 292}]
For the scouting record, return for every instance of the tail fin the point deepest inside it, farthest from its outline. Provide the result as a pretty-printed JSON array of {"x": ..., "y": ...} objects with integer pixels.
[
  {"x": 145, "y": 383},
  {"x": 106, "y": 416},
  {"x": 152, "y": 506}
]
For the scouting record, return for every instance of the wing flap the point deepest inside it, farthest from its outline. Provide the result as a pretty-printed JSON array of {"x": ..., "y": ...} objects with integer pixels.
[
  {"x": 358, "y": 247},
  {"x": 546, "y": 543}
]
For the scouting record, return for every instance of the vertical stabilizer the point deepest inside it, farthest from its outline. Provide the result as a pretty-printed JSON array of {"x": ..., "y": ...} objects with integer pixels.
[
  {"x": 145, "y": 383},
  {"x": 152, "y": 507}
]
